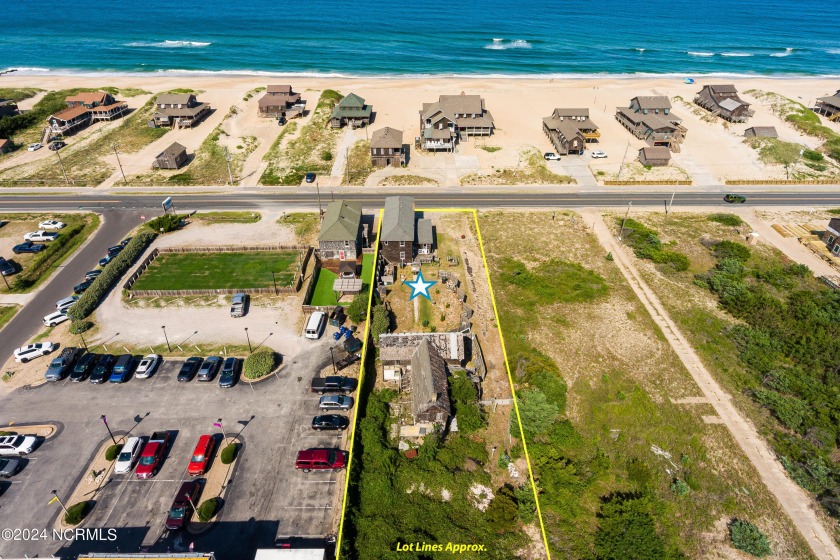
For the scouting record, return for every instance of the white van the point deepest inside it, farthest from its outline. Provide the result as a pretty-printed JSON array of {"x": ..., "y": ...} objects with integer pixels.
[{"x": 315, "y": 325}]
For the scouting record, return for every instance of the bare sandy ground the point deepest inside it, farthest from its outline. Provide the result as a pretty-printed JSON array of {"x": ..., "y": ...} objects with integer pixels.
[{"x": 711, "y": 152}]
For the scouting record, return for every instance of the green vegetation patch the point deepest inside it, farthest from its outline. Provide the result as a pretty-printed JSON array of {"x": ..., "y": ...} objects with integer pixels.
[
  {"x": 533, "y": 171},
  {"x": 232, "y": 217},
  {"x": 18, "y": 94},
  {"x": 207, "y": 509},
  {"x": 406, "y": 180},
  {"x": 6, "y": 313},
  {"x": 323, "y": 293},
  {"x": 552, "y": 281},
  {"x": 229, "y": 453},
  {"x": 259, "y": 364},
  {"x": 359, "y": 166},
  {"x": 76, "y": 513},
  {"x": 224, "y": 270},
  {"x": 726, "y": 219},
  {"x": 646, "y": 244},
  {"x": 304, "y": 223},
  {"x": 490, "y": 149},
  {"x": 112, "y": 452},
  {"x": 749, "y": 538}
]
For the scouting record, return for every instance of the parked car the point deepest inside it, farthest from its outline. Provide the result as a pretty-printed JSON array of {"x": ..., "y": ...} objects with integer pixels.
[
  {"x": 84, "y": 366},
  {"x": 54, "y": 319},
  {"x": 200, "y": 460},
  {"x": 551, "y": 156},
  {"x": 34, "y": 147},
  {"x": 335, "y": 402},
  {"x": 6, "y": 268},
  {"x": 230, "y": 369},
  {"x": 115, "y": 250},
  {"x": 32, "y": 351},
  {"x": 17, "y": 445},
  {"x": 183, "y": 506},
  {"x": 102, "y": 370},
  {"x": 82, "y": 286},
  {"x": 330, "y": 422},
  {"x": 189, "y": 368},
  {"x": 147, "y": 366},
  {"x": 598, "y": 154},
  {"x": 106, "y": 259},
  {"x": 9, "y": 467},
  {"x": 122, "y": 369},
  {"x": 333, "y": 384},
  {"x": 125, "y": 241},
  {"x": 208, "y": 368},
  {"x": 152, "y": 455},
  {"x": 40, "y": 235},
  {"x": 62, "y": 364},
  {"x": 28, "y": 247},
  {"x": 51, "y": 224},
  {"x": 129, "y": 454},
  {"x": 238, "y": 305},
  {"x": 736, "y": 198},
  {"x": 66, "y": 303},
  {"x": 92, "y": 274},
  {"x": 55, "y": 146},
  {"x": 321, "y": 459},
  {"x": 310, "y": 178}
]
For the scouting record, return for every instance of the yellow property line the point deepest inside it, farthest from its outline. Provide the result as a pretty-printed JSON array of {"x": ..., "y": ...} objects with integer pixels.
[
  {"x": 507, "y": 368},
  {"x": 360, "y": 385}
]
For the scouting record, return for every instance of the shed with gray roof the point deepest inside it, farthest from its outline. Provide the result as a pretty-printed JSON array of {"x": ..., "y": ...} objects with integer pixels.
[
  {"x": 655, "y": 156},
  {"x": 761, "y": 131},
  {"x": 172, "y": 157}
]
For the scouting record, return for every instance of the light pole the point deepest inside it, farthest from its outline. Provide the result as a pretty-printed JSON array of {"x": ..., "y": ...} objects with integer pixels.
[
  {"x": 249, "y": 339},
  {"x": 105, "y": 421},
  {"x": 63, "y": 172},
  {"x": 83, "y": 341},
  {"x": 168, "y": 347},
  {"x": 333, "y": 360},
  {"x": 55, "y": 494}
]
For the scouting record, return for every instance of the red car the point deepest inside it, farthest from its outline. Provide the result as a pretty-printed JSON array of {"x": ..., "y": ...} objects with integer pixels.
[
  {"x": 200, "y": 460},
  {"x": 321, "y": 459},
  {"x": 152, "y": 455}
]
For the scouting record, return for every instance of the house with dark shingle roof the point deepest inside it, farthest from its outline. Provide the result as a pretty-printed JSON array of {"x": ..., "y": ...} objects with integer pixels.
[
  {"x": 650, "y": 119},
  {"x": 182, "y": 110},
  {"x": 442, "y": 123},
  {"x": 569, "y": 130},
  {"x": 172, "y": 157},
  {"x": 761, "y": 131},
  {"x": 829, "y": 106},
  {"x": 655, "y": 156},
  {"x": 341, "y": 231},
  {"x": 425, "y": 240},
  {"x": 280, "y": 101},
  {"x": 387, "y": 148},
  {"x": 397, "y": 234},
  {"x": 351, "y": 110},
  {"x": 723, "y": 101}
]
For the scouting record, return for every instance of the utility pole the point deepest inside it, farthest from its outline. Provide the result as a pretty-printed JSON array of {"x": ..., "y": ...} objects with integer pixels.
[
  {"x": 227, "y": 160},
  {"x": 621, "y": 165},
  {"x": 320, "y": 212},
  {"x": 621, "y": 233},
  {"x": 673, "y": 193},
  {"x": 119, "y": 163},
  {"x": 61, "y": 163}
]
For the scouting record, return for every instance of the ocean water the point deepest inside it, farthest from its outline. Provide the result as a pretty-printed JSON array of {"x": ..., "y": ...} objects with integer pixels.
[{"x": 420, "y": 37}]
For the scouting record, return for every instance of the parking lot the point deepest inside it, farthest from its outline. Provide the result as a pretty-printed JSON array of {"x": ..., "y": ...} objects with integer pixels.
[{"x": 266, "y": 495}]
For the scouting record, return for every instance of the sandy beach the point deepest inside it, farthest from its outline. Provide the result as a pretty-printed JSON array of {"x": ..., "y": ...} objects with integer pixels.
[{"x": 712, "y": 152}]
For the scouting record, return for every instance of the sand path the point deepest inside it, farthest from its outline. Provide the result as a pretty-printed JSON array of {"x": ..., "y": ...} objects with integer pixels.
[{"x": 793, "y": 499}]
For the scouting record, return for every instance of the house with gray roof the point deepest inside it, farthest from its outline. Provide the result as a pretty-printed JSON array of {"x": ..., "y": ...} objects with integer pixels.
[
  {"x": 425, "y": 240},
  {"x": 655, "y": 156},
  {"x": 723, "y": 101},
  {"x": 341, "y": 231},
  {"x": 280, "y": 101},
  {"x": 829, "y": 106},
  {"x": 569, "y": 130},
  {"x": 430, "y": 403},
  {"x": 172, "y": 157},
  {"x": 761, "y": 132},
  {"x": 397, "y": 234},
  {"x": 351, "y": 110},
  {"x": 178, "y": 110},
  {"x": 650, "y": 118},
  {"x": 387, "y": 148},
  {"x": 444, "y": 122}
]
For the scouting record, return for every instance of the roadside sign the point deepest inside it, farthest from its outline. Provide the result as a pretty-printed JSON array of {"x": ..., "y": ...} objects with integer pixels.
[{"x": 167, "y": 204}]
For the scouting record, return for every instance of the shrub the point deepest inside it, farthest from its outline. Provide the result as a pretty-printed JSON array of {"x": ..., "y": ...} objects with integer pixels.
[
  {"x": 679, "y": 487},
  {"x": 207, "y": 509},
  {"x": 79, "y": 326},
  {"x": 259, "y": 364},
  {"x": 502, "y": 512},
  {"x": 75, "y": 513},
  {"x": 112, "y": 452},
  {"x": 229, "y": 453},
  {"x": 326, "y": 155},
  {"x": 747, "y": 537},
  {"x": 381, "y": 321},
  {"x": 465, "y": 405},
  {"x": 732, "y": 250},
  {"x": 813, "y": 155},
  {"x": 357, "y": 309},
  {"x": 110, "y": 275},
  {"x": 525, "y": 503},
  {"x": 167, "y": 223},
  {"x": 647, "y": 245},
  {"x": 726, "y": 219},
  {"x": 625, "y": 524}
]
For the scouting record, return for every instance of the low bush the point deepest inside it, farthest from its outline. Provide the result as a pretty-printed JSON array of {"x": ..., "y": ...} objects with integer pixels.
[
  {"x": 46, "y": 258},
  {"x": 229, "y": 454},
  {"x": 813, "y": 155},
  {"x": 747, "y": 537},
  {"x": 165, "y": 223},
  {"x": 75, "y": 513},
  {"x": 726, "y": 219},
  {"x": 112, "y": 452},
  {"x": 732, "y": 250},
  {"x": 259, "y": 364},
  {"x": 357, "y": 309},
  {"x": 112, "y": 272},
  {"x": 78, "y": 326},
  {"x": 647, "y": 245},
  {"x": 207, "y": 509}
]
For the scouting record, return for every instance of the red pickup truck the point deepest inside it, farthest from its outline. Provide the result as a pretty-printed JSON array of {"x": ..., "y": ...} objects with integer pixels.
[{"x": 152, "y": 455}]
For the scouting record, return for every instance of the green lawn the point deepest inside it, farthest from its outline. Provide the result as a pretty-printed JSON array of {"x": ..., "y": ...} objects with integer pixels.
[
  {"x": 199, "y": 271},
  {"x": 6, "y": 313},
  {"x": 367, "y": 268},
  {"x": 323, "y": 293}
]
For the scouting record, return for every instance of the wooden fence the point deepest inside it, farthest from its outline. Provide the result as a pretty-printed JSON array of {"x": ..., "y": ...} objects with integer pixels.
[
  {"x": 782, "y": 182},
  {"x": 642, "y": 183}
]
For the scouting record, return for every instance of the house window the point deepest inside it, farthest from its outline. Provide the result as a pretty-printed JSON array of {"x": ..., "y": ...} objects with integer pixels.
[
  {"x": 830, "y": 239},
  {"x": 836, "y": 249},
  {"x": 346, "y": 244},
  {"x": 385, "y": 243},
  {"x": 402, "y": 243},
  {"x": 402, "y": 255}
]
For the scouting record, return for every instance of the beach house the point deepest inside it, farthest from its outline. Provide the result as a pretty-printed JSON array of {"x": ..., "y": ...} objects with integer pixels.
[
  {"x": 398, "y": 230},
  {"x": 444, "y": 122},
  {"x": 84, "y": 108},
  {"x": 829, "y": 106},
  {"x": 351, "y": 110},
  {"x": 178, "y": 110},
  {"x": 172, "y": 157},
  {"x": 761, "y": 131},
  {"x": 341, "y": 232},
  {"x": 655, "y": 156},
  {"x": 281, "y": 101},
  {"x": 569, "y": 130},
  {"x": 831, "y": 236},
  {"x": 723, "y": 101},
  {"x": 650, "y": 119},
  {"x": 387, "y": 148}
]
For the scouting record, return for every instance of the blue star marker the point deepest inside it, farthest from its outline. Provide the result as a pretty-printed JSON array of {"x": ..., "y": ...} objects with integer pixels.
[{"x": 420, "y": 287}]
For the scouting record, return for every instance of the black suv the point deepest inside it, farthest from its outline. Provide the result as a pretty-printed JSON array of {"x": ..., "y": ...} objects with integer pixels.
[
  {"x": 330, "y": 422},
  {"x": 102, "y": 369},
  {"x": 189, "y": 368},
  {"x": 83, "y": 367}
]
